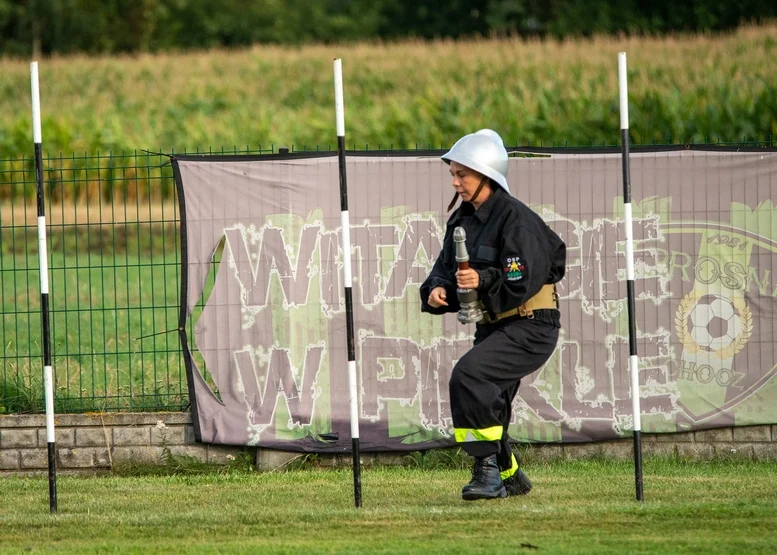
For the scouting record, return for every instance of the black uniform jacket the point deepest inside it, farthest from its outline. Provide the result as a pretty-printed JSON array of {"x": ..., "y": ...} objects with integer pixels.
[{"x": 513, "y": 250}]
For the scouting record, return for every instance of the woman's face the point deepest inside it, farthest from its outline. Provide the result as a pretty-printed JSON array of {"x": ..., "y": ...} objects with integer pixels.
[{"x": 466, "y": 182}]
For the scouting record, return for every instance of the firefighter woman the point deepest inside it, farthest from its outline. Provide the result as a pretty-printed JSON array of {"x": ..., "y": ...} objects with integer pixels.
[{"x": 514, "y": 261}]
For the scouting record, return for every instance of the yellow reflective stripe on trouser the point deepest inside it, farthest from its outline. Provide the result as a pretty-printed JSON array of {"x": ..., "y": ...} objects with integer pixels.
[
  {"x": 463, "y": 435},
  {"x": 505, "y": 474}
]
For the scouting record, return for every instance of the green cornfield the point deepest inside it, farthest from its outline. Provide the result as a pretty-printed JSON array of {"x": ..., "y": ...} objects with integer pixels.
[{"x": 682, "y": 89}]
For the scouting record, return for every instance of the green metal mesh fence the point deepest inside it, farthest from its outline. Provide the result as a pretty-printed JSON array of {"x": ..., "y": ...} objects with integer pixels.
[
  {"x": 114, "y": 255},
  {"x": 114, "y": 252}
]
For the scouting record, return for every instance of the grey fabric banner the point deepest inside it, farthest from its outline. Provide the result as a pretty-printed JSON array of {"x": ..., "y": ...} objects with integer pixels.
[{"x": 268, "y": 357}]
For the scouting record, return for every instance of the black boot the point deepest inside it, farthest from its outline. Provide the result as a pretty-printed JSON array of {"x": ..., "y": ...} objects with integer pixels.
[
  {"x": 518, "y": 484},
  {"x": 486, "y": 482}
]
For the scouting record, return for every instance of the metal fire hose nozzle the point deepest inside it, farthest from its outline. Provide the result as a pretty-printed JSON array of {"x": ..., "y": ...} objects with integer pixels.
[
  {"x": 460, "y": 240},
  {"x": 469, "y": 311}
]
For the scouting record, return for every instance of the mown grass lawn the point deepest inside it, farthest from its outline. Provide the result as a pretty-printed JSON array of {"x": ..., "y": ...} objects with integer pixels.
[{"x": 576, "y": 507}]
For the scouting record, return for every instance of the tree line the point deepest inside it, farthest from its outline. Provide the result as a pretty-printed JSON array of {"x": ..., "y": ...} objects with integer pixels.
[{"x": 129, "y": 26}]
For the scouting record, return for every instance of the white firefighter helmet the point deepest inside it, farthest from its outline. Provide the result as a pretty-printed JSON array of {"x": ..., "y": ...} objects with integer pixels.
[{"x": 484, "y": 152}]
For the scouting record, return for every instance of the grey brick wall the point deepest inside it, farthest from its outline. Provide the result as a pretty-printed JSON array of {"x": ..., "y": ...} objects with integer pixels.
[
  {"x": 746, "y": 442},
  {"x": 91, "y": 443}
]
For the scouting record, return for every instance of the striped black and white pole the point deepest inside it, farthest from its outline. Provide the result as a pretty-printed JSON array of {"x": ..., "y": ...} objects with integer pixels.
[
  {"x": 346, "y": 246},
  {"x": 48, "y": 379},
  {"x": 633, "y": 359}
]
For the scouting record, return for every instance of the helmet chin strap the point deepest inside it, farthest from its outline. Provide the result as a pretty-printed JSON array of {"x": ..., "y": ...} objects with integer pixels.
[
  {"x": 474, "y": 196},
  {"x": 453, "y": 201}
]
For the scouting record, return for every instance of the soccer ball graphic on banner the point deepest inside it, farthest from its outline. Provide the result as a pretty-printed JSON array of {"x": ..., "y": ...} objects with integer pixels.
[{"x": 714, "y": 323}]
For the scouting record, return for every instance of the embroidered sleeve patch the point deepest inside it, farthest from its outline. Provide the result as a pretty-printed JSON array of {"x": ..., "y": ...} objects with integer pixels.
[{"x": 514, "y": 268}]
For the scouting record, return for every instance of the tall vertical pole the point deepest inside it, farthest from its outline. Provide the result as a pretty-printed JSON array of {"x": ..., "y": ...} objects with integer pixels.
[
  {"x": 628, "y": 221},
  {"x": 48, "y": 380},
  {"x": 346, "y": 246}
]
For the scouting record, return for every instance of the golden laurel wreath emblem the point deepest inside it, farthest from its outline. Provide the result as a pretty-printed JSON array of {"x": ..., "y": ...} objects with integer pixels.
[{"x": 683, "y": 334}]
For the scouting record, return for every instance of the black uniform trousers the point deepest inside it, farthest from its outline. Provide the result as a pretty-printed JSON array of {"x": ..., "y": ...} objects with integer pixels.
[{"x": 485, "y": 380}]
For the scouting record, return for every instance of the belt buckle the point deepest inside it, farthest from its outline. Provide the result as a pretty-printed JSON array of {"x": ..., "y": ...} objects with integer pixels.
[{"x": 525, "y": 313}]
